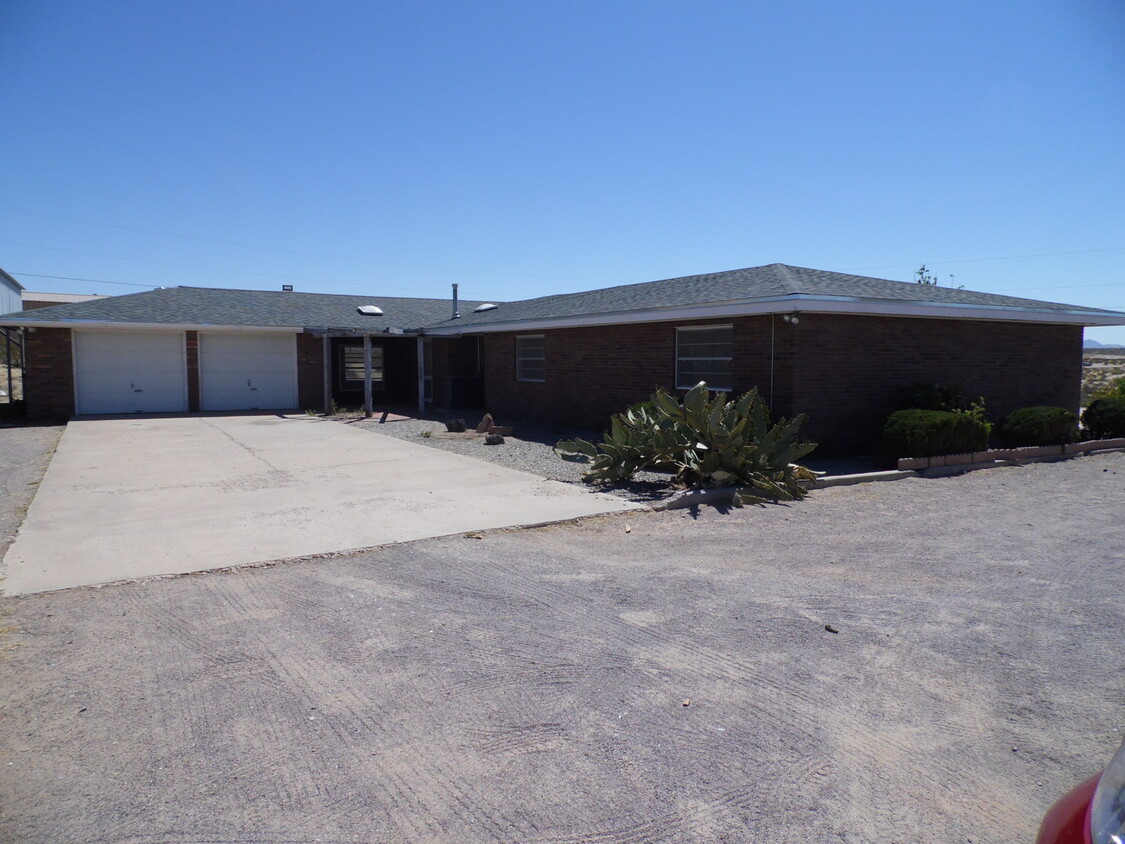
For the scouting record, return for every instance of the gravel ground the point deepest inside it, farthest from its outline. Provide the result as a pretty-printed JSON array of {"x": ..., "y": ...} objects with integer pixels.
[
  {"x": 649, "y": 678},
  {"x": 531, "y": 449},
  {"x": 25, "y": 452}
]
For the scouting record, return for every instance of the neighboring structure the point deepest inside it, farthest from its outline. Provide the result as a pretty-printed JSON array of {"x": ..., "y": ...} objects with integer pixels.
[
  {"x": 33, "y": 301},
  {"x": 10, "y": 348},
  {"x": 830, "y": 345},
  {"x": 10, "y": 291}
]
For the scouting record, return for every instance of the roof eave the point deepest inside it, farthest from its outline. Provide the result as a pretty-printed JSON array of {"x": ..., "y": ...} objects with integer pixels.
[
  {"x": 140, "y": 326},
  {"x": 800, "y": 303}
]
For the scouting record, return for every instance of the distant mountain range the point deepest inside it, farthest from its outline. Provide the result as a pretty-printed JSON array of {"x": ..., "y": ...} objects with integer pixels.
[{"x": 1094, "y": 344}]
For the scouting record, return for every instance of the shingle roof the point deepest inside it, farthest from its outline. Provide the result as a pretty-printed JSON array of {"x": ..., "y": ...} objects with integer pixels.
[
  {"x": 778, "y": 283},
  {"x": 754, "y": 283},
  {"x": 264, "y": 308}
]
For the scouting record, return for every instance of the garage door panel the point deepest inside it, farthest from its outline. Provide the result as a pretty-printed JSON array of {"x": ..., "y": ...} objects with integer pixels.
[
  {"x": 248, "y": 371},
  {"x": 129, "y": 372}
]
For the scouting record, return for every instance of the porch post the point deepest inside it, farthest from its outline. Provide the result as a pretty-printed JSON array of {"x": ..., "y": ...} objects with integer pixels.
[
  {"x": 421, "y": 377},
  {"x": 8, "y": 349},
  {"x": 367, "y": 375},
  {"x": 326, "y": 353}
]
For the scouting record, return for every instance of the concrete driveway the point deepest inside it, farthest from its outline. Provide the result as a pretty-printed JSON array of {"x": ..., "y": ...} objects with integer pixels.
[{"x": 135, "y": 497}]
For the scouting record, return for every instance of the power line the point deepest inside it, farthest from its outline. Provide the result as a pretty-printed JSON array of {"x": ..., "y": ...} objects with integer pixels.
[
  {"x": 997, "y": 258},
  {"x": 300, "y": 251},
  {"x": 95, "y": 280}
]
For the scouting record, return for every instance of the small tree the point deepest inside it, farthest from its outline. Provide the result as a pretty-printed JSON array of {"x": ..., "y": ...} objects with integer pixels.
[{"x": 923, "y": 276}]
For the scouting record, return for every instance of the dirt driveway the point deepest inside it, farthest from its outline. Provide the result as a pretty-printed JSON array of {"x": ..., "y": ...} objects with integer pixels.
[{"x": 643, "y": 678}]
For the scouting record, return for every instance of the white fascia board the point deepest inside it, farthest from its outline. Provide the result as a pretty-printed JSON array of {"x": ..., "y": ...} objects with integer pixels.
[
  {"x": 145, "y": 326},
  {"x": 797, "y": 304}
]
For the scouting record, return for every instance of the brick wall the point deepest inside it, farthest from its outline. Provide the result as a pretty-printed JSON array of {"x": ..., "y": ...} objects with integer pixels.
[
  {"x": 310, "y": 372},
  {"x": 595, "y": 372},
  {"x": 48, "y": 379},
  {"x": 849, "y": 368},
  {"x": 191, "y": 347},
  {"x": 842, "y": 371}
]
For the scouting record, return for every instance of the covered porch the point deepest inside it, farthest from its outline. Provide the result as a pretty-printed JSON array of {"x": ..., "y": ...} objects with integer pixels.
[{"x": 382, "y": 370}]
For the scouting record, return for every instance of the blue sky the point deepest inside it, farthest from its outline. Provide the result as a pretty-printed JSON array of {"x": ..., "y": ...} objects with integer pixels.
[{"x": 521, "y": 148}]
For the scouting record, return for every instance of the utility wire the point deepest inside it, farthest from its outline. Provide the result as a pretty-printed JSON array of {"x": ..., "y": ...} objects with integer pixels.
[{"x": 301, "y": 251}]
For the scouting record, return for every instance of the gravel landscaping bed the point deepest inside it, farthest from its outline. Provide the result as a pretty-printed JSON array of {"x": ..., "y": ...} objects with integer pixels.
[{"x": 531, "y": 449}]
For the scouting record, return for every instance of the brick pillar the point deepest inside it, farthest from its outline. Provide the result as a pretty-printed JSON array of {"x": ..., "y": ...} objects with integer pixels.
[
  {"x": 192, "y": 346},
  {"x": 48, "y": 375},
  {"x": 310, "y": 372}
]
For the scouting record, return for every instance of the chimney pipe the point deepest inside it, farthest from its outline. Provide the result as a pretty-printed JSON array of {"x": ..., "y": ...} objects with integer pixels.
[{"x": 455, "y": 314}]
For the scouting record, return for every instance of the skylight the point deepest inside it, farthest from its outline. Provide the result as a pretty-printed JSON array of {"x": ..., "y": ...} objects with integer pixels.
[
  {"x": 487, "y": 306},
  {"x": 370, "y": 310}
]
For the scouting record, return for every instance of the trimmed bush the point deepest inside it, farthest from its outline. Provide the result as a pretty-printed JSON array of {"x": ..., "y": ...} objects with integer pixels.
[
  {"x": 923, "y": 395},
  {"x": 925, "y": 433},
  {"x": 1105, "y": 418},
  {"x": 1040, "y": 425}
]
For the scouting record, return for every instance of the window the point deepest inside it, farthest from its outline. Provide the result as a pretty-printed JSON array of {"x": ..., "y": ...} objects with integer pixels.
[
  {"x": 351, "y": 367},
  {"x": 705, "y": 354},
  {"x": 531, "y": 358}
]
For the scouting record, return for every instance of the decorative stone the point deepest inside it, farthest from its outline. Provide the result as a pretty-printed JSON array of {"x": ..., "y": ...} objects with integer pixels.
[
  {"x": 486, "y": 424},
  {"x": 493, "y": 439},
  {"x": 455, "y": 426},
  {"x": 502, "y": 430}
]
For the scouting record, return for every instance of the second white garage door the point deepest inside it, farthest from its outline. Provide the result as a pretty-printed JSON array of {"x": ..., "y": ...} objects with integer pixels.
[{"x": 247, "y": 371}]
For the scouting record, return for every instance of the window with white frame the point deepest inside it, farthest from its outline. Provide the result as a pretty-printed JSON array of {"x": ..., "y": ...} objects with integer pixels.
[
  {"x": 705, "y": 353},
  {"x": 531, "y": 358}
]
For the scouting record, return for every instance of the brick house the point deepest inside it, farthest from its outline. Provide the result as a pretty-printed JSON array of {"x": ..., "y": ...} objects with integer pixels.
[{"x": 831, "y": 345}]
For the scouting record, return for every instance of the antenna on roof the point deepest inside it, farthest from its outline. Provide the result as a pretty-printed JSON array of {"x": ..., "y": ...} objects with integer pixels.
[{"x": 455, "y": 314}]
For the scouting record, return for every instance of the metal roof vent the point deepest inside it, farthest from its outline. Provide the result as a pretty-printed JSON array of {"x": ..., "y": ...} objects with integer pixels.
[
  {"x": 370, "y": 310},
  {"x": 487, "y": 306}
]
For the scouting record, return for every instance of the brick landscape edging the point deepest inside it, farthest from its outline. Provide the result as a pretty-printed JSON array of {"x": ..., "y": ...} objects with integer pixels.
[
  {"x": 908, "y": 467},
  {"x": 1007, "y": 455}
]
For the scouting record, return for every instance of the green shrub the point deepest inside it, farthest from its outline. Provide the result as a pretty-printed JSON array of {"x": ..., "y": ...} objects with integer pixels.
[
  {"x": 1039, "y": 425},
  {"x": 705, "y": 440},
  {"x": 925, "y": 433},
  {"x": 925, "y": 396},
  {"x": 1105, "y": 418},
  {"x": 1115, "y": 389}
]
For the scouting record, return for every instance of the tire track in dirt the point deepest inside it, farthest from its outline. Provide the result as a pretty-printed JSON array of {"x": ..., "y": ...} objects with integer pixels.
[
  {"x": 427, "y": 786},
  {"x": 774, "y": 694}
]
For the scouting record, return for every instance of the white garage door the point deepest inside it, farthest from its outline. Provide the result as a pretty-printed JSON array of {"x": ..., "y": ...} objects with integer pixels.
[
  {"x": 247, "y": 371},
  {"x": 130, "y": 372}
]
